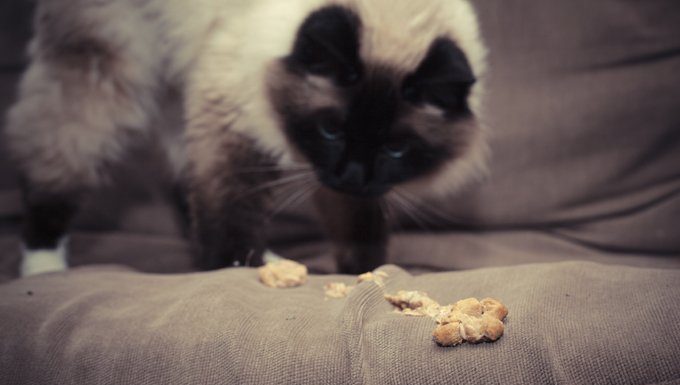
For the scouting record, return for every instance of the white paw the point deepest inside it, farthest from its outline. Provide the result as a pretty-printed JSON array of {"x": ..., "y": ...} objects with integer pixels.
[
  {"x": 270, "y": 256},
  {"x": 44, "y": 260}
]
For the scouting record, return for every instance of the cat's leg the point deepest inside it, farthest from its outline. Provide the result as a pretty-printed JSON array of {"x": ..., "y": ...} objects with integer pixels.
[
  {"x": 357, "y": 227},
  {"x": 47, "y": 216},
  {"x": 172, "y": 139},
  {"x": 230, "y": 198},
  {"x": 75, "y": 113}
]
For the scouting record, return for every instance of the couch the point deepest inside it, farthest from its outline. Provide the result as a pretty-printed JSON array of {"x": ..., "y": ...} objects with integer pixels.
[{"x": 576, "y": 230}]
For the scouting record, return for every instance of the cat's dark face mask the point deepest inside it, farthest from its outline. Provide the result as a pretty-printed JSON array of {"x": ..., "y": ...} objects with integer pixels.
[{"x": 387, "y": 127}]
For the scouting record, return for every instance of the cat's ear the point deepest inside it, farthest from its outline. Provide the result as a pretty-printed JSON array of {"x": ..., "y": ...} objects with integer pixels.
[
  {"x": 443, "y": 79},
  {"x": 327, "y": 44}
]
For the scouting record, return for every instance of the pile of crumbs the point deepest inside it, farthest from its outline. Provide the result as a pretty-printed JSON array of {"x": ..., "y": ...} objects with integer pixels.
[{"x": 468, "y": 320}]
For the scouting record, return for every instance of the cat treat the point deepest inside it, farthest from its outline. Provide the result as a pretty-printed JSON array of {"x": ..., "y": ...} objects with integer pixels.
[
  {"x": 378, "y": 277},
  {"x": 283, "y": 273},
  {"x": 337, "y": 290},
  {"x": 414, "y": 303},
  {"x": 468, "y": 320}
]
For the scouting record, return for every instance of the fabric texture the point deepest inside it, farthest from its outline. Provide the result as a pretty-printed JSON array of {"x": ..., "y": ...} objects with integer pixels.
[
  {"x": 582, "y": 102},
  {"x": 568, "y": 323}
]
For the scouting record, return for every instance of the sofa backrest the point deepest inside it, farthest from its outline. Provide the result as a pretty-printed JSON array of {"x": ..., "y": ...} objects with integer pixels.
[{"x": 584, "y": 106}]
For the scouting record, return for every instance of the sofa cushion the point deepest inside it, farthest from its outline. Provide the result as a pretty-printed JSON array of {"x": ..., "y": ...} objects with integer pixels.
[
  {"x": 582, "y": 102},
  {"x": 570, "y": 323}
]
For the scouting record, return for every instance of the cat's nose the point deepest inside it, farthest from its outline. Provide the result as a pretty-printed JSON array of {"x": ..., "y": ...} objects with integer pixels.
[{"x": 353, "y": 175}]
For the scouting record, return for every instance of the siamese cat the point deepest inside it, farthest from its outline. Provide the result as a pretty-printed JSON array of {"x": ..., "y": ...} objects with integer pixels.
[{"x": 354, "y": 102}]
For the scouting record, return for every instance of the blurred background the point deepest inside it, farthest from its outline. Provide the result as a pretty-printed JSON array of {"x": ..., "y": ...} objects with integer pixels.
[{"x": 584, "y": 108}]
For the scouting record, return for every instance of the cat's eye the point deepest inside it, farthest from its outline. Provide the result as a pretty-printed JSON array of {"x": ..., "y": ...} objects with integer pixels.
[
  {"x": 329, "y": 131},
  {"x": 397, "y": 150}
]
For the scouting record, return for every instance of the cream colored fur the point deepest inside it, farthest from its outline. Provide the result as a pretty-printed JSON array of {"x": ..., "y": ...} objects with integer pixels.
[
  {"x": 73, "y": 117},
  {"x": 98, "y": 69}
]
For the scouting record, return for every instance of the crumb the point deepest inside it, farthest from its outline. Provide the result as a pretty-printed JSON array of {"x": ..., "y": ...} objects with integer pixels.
[
  {"x": 469, "y": 306},
  {"x": 283, "y": 273},
  {"x": 336, "y": 290},
  {"x": 442, "y": 314},
  {"x": 378, "y": 277},
  {"x": 494, "y": 307},
  {"x": 448, "y": 335},
  {"x": 409, "y": 312},
  {"x": 29, "y": 292},
  {"x": 414, "y": 303},
  {"x": 492, "y": 328}
]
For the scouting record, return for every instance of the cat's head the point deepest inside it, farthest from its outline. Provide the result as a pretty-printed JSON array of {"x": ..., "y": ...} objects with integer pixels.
[{"x": 374, "y": 101}]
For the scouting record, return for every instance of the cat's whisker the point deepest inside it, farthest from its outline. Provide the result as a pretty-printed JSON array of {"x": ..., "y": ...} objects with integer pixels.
[
  {"x": 292, "y": 197},
  {"x": 385, "y": 210},
  {"x": 301, "y": 167},
  {"x": 411, "y": 211},
  {"x": 301, "y": 182},
  {"x": 295, "y": 198},
  {"x": 249, "y": 257},
  {"x": 390, "y": 213},
  {"x": 311, "y": 189},
  {"x": 273, "y": 171},
  {"x": 276, "y": 183},
  {"x": 425, "y": 222},
  {"x": 422, "y": 205},
  {"x": 416, "y": 209}
]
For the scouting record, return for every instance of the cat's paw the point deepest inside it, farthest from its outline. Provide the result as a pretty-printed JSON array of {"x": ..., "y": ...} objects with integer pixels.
[
  {"x": 270, "y": 256},
  {"x": 43, "y": 260},
  {"x": 283, "y": 273}
]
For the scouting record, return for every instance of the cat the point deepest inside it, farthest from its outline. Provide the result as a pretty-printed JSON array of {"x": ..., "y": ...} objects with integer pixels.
[{"x": 357, "y": 101}]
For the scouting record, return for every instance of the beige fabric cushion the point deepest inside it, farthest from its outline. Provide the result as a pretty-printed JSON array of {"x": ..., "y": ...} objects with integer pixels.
[
  {"x": 582, "y": 101},
  {"x": 569, "y": 323}
]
